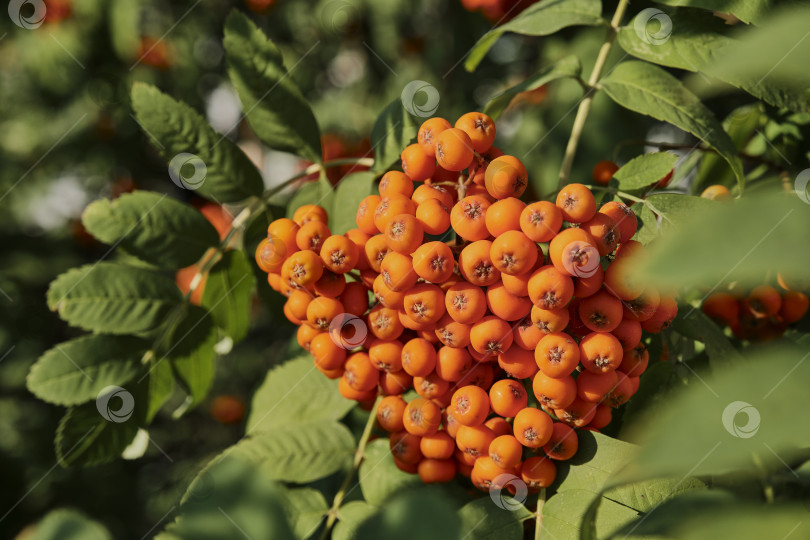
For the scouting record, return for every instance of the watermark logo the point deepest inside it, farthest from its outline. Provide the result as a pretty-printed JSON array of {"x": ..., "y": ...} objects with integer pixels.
[
  {"x": 187, "y": 171},
  {"x": 337, "y": 16},
  {"x": 348, "y": 331},
  {"x": 646, "y": 19},
  {"x": 581, "y": 259},
  {"x": 105, "y": 408},
  {"x": 751, "y": 426},
  {"x": 28, "y": 14},
  {"x": 800, "y": 185},
  {"x": 420, "y": 99},
  {"x": 503, "y": 502}
]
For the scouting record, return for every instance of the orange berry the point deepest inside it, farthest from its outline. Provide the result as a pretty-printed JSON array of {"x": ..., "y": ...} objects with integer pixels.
[
  {"x": 475, "y": 264},
  {"x": 622, "y": 390},
  {"x": 406, "y": 447},
  {"x": 421, "y": 417},
  {"x": 722, "y": 307},
  {"x": 557, "y": 355},
  {"x": 663, "y": 316},
  {"x": 390, "y": 207},
  {"x": 354, "y": 298},
  {"x": 305, "y": 267},
  {"x": 573, "y": 252},
  {"x": 554, "y": 393},
  {"x": 624, "y": 218},
  {"x": 517, "y": 285},
  {"x": 431, "y": 386},
  {"x": 504, "y": 215},
  {"x": 384, "y": 322},
  {"x": 541, "y": 221},
  {"x": 416, "y": 163},
  {"x": 433, "y": 262},
  {"x": 365, "y": 214},
  {"x": 716, "y": 193},
  {"x": 578, "y": 414},
  {"x": 465, "y": 302},
  {"x": 628, "y": 333},
  {"x": 271, "y": 254},
  {"x": 603, "y": 172},
  {"x": 563, "y": 444},
  {"x": 505, "y": 305},
  {"x": 587, "y": 286},
  {"x": 470, "y": 405},
  {"x": 385, "y": 296},
  {"x": 395, "y": 182},
  {"x": 428, "y": 132},
  {"x": 433, "y": 216},
  {"x": 310, "y": 212},
  {"x": 376, "y": 249},
  {"x": 600, "y": 352},
  {"x": 513, "y": 253},
  {"x": 418, "y": 357},
  {"x": 397, "y": 272},
  {"x": 360, "y": 373},
  {"x": 395, "y": 383},
  {"x": 451, "y": 333},
  {"x": 507, "y": 397},
  {"x": 454, "y": 149},
  {"x": 601, "y": 312},
  {"x": 312, "y": 235},
  {"x": 331, "y": 285},
  {"x": 538, "y": 472},
  {"x": 480, "y": 128},
  {"x": 635, "y": 360},
  {"x": 549, "y": 320},
  {"x": 404, "y": 233},
  {"x": 491, "y": 335},
  {"x": 621, "y": 281},
  {"x": 453, "y": 363},
  {"x": 603, "y": 230},
  {"x": 385, "y": 355},
  {"x": 519, "y": 361},
  {"x": 602, "y": 417},
  {"x": 321, "y": 311},
  {"x": 506, "y": 451},
  {"x": 297, "y": 303},
  {"x": 532, "y": 427},
  {"x": 390, "y": 412},
  {"x": 577, "y": 203},
  {"x": 424, "y": 303},
  {"x": 474, "y": 440},
  {"x": 468, "y": 218},
  {"x": 339, "y": 254},
  {"x": 439, "y": 445},
  {"x": 593, "y": 387},
  {"x": 429, "y": 191},
  {"x": 326, "y": 353},
  {"x": 436, "y": 470},
  {"x": 348, "y": 392},
  {"x": 794, "y": 306},
  {"x": 549, "y": 288},
  {"x": 506, "y": 176},
  {"x": 764, "y": 301},
  {"x": 485, "y": 473},
  {"x": 305, "y": 334}
]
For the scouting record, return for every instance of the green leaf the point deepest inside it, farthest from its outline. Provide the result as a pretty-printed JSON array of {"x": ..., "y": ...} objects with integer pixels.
[
  {"x": 272, "y": 101},
  {"x": 671, "y": 513},
  {"x": 153, "y": 227},
  {"x": 568, "y": 67},
  {"x": 113, "y": 298},
  {"x": 350, "y": 191},
  {"x": 644, "y": 170},
  {"x": 394, "y": 130},
  {"x": 320, "y": 193},
  {"x": 191, "y": 352},
  {"x": 677, "y": 209},
  {"x": 379, "y": 477},
  {"x": 232, "y": 500},
  {"x": 746, "y": 10},
  {"x": 176, "y": 128},
  {"x": 695, "y": 324},
  {"x": 301, "y": 452},
  {"x": 597, "y": 458},
  {"x": 350, "y": 516},
  {"x": 422, "y": 514},
  {"x": 734, "y": 420},
  {"x": 305, "y": 509},
  {"x": 648, "y": 229},
  {"x": 161, "y": 387},
  {"x": 293, "y": 393},
  {"x": 563, "y": 512},
  {"x": 65, "y": 524},
  {"x": 228, "y": 292},
  {"x": 85, "y": 437},
  {"x": 648, "y": 89},
  {"x": 739, "y": 241},
  {"x": 540, "y": 19},
  {"x": 483, "y": 520},
  {"x": 76, "y": 371}
]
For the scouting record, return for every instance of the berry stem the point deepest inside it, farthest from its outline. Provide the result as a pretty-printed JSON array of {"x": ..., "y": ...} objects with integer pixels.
[
  {"x": 538, "y": 519},
  {"x": 585, "y": 104},
  {"x": 359, "y": 455}
]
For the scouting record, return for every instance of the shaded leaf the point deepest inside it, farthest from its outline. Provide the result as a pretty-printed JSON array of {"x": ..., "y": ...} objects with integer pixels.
[
  {"x": 191, "y": 353},
  {"x": 65, "y": 524},
  {"x": 350, "y": 191},
  {"x": 305, "y": 509},
  {"x": 84, "y": 437},
  {"x": 378, "y": 476},
  {"x": 228, "y": 292},
  {"x": 563, "y": 512},
  {"x": 481, "y": 519},
  {"x": 426, "y": 515},
  {"x": 644, "y": 170},
  {"x": 394, "y": 129}
]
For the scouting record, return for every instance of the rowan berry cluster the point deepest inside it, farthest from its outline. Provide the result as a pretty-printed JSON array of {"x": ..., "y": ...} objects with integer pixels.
[
  {"x": 761, "y": 314},
  {"x": 523, "y": 326}
]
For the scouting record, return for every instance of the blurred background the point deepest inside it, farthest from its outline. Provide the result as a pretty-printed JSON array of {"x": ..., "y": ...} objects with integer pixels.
[{"x": 68, "y": 137}]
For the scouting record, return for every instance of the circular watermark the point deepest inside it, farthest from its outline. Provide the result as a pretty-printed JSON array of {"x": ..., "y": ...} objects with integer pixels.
[
  {"x": 428, "y": 98},
  {"x": 337, "y": 16},
  {"x": 348, "y": 331},
  {"x": 503, "y": 502},
  {"x": 106, "y": 410},
  {"x": 201, "y": 487},
  {"x": 751, "y": 426},
  {"x": 642, "y": 23},
  {"x": 28, "y": 14},
  {"x": 583, "y": 261},
  {"x": 187, "y": 171},
  {"x": 800, "y": 185}
]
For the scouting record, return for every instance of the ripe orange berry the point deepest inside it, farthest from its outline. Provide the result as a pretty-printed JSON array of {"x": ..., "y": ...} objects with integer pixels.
[
  {"x": 385, "y": 355},
  {"x": 624, "y": 218},
  {"x": 395, "y": 383},
  {"x": 549, "y": 288},
  {"x": 506, "y": 451},
  {"x": 504, "y": 215},
  {"x": 397, "y": 272},
  {"x": 436, "y": 470},
  {"x": 577, "y": 203},
  {"x": 482, "y": 374},
  {"x": 485, "y": 472},
  {"x": 722, "y": 307},
  {"x": 557, "y": 355},
  {"x": 593, "y": 387},
  {"x": 603, "y": 230},
  {"x": 421, "y": 417},
  {"x": 359, "y": 373},
  {"x": 518, "y": 285},
  {"x": 404, "y": 233},
  {"x": 603, "y": 172},
  {"x": 635, "y": 360},
  {"x": 310, "y": 212},
  {"x": 365, "y": 214},
  {"x": 326, "y": 353},
  {"x": 480, "y": 128},
  {"x": 453, "y": 363},
  {"x": 663, "y": 317},
  {"x": 578, "y": 414},
  {"x": 454, "y": 149},
  {"x": 433, "y": 262},
  {"x": 271, "y": 254},
  {"x": 716, "y": 193},
  {"x": 428, "y": 132},
  {"x": 518, "y": 362},
  {"x": 628, "y": 333},
  {"x": 395, "y": 182},
  {"x": 563, "y": 443},
  {"x": 431, "y": 387},
  {"x": 348, "y": 392},
  {"x": 475, "y": 264},
  {"x": 554, "y": 393},
  {"x": 305, "y": 267},
  {"x": 587, "y": 286},
  {"x": 418, "y": 357},
  {"x": 429, "y": 191},
  {"x": 602, "y": 418},
  {"x": 507, "y": 397},
  {"x": 339, "y": 254},
  {"x": 505, "y": 305},
  {"x": 354, "y": 298},
  {"x": 468, "y": 218},
  {"x": 764, "y": 301},
  {"x": 390, "y": 412},
  {"x": 491, "y": 335},
  {"x": 424, "y": 303},
  {"x": 549, "y": 320},
  {"x": 321, "y": 311},
  {"x": 416, "y": 163},
  {"x": 390, "y": 207},
  {"x": 474, "y": 440},
  {"x": 794, "y": 306},
  {"x": 621, "y": 281},
  {"x": 538, "y": 472},
  {"x": 532, "y": 427},
  {"x": 451, "y": 333},
  {"x": 297, "y": 303},
  {"x": 622, "y": 390},
  {"x": 312, "y": 235},
  {"x": 465, "y": 302},
  {"x": 385, "y": 296},
  {"x": 433, "y": 216},
  {"x": 330, "y": 285},
  {"x": 305, "y": 334},
  {"x": 513, "y": 253},
  {"x": 506, "y": 176},
  {"x": 600, "y": 352},
  {"x": 406, "y": 447},
  {"x": 384, "y": 322},
  {"x": 284, "y": 230},
  {"x": 601, "y": 312},
  {"x": 439, "y": 445},
  {"x": 573, "y": 252},
  {"x": 541, "y": 221},
  {"x": 470, "y": 405}
]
